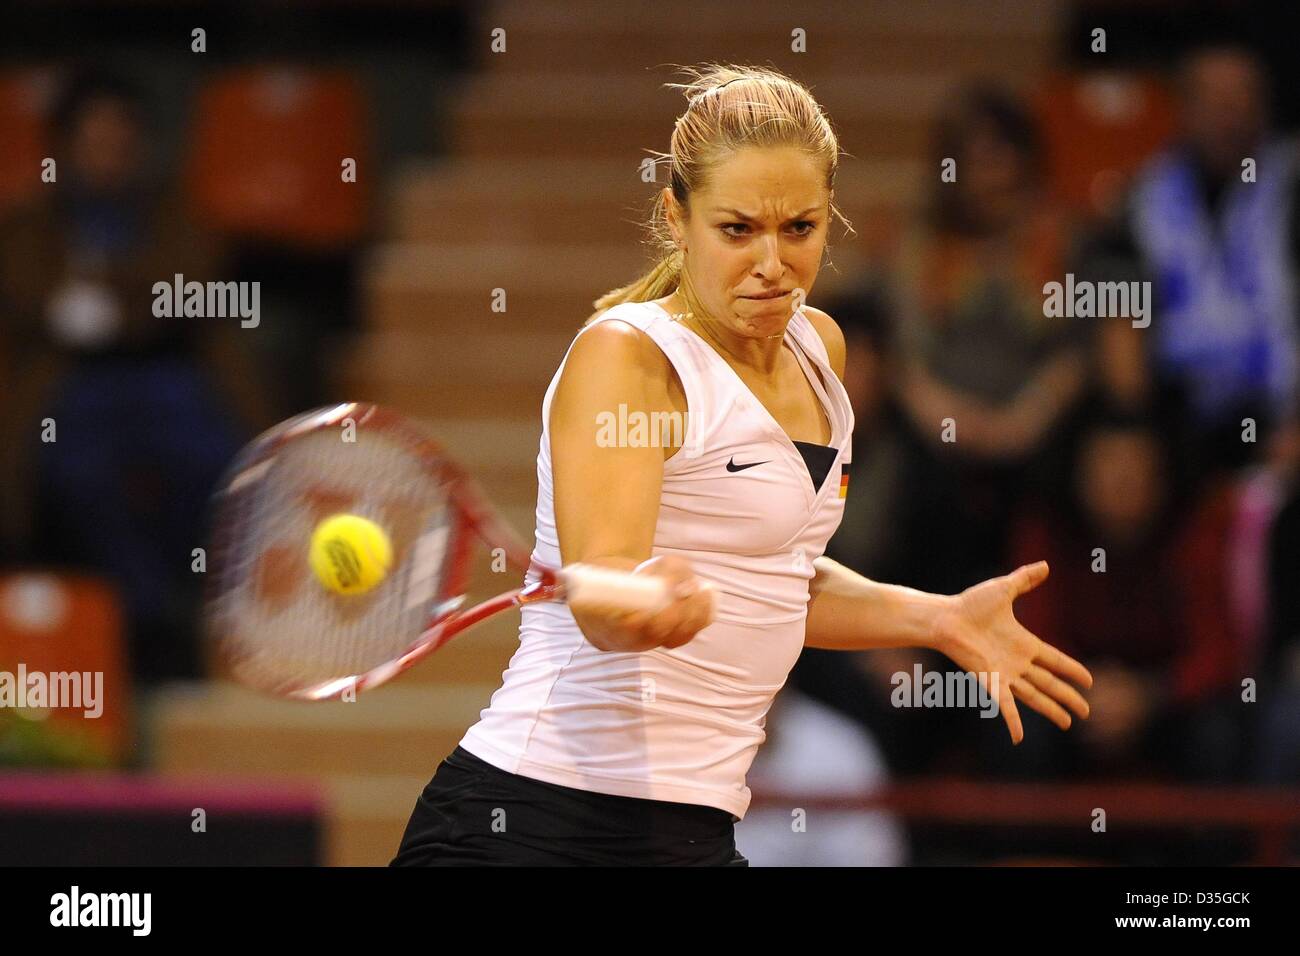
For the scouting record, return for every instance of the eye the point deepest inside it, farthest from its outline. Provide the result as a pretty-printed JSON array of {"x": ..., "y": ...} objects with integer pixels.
[{"x": 802, "y": 228}]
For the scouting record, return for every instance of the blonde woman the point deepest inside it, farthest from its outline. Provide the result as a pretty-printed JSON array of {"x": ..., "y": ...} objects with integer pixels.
[{"x": 626, "y": 738}]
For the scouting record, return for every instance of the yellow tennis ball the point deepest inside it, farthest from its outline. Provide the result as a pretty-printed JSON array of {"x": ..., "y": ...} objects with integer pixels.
[{"x": 350, "y": 554}]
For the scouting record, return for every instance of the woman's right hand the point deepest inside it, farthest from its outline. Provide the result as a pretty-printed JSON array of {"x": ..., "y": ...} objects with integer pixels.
[{"x": 690, "y": 611}]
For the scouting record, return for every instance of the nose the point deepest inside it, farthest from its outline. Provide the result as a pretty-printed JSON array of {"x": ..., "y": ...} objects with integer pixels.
[{"x": 768, "y": 265}]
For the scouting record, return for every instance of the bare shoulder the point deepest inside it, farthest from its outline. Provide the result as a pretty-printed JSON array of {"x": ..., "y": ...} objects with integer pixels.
[
  {"x": 831, "y": 335},
  {"x": 614, "y": 361},
  {"x": 619, "y": 349},
  {"x": 615, "y": 364}
]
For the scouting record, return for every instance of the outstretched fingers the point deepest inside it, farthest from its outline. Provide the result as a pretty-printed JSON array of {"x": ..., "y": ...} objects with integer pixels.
[
  {"x": 1058, "y": 690},
  {"x": 1063, "y": 664},
  {"x": 1036, "y": 699}
]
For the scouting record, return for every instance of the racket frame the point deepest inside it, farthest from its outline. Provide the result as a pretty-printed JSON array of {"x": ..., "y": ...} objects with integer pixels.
[{"x": 474, "y": 518}]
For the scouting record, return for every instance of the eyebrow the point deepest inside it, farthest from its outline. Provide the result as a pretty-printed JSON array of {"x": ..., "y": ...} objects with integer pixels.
[{"x": 740, "y": 215}]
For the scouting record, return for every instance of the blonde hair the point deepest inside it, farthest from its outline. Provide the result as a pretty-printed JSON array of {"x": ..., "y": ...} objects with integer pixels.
[{"x": 729, "y": 107}]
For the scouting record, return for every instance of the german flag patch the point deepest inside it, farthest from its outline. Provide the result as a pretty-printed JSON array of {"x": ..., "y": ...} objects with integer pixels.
[{"x": 844, "y": 480}]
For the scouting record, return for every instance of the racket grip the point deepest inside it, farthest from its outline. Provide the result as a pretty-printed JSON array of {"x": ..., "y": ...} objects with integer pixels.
[{"x": 616, "y": 589}]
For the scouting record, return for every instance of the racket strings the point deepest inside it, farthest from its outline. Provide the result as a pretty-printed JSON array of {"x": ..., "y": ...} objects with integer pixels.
[{"x": 280, "y": 625}]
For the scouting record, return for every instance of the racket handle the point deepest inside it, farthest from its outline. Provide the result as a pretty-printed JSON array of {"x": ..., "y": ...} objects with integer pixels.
[{"x": 621, "y": 590}]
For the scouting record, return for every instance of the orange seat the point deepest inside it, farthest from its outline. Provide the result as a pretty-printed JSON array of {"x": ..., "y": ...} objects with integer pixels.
[
  {"x": 1099, "y": 128},
  {"x": 267, "y": 154},
  {"x": 55, "y": 625},
  {"x": 24, "y": 102}
]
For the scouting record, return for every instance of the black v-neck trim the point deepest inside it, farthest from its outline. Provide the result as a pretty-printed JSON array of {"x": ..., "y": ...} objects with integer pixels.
[{"x": 819, "y": 459}]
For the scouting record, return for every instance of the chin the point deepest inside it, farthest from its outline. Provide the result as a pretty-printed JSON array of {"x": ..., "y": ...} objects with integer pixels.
[{"x": 762, "y": 326}]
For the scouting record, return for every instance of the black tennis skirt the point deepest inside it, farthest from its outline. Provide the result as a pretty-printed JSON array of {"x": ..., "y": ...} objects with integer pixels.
[{"x": 474, "y": 814}]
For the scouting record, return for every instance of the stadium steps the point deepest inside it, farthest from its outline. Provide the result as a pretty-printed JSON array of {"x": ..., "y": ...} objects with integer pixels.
[
  {"x": 601, "y": 22},
  {"x": 538, "y": 43},
  {"x": 618, "y": 115},
  {"x": 400, "y": 728},
  {"x": 602, "y": 201}
]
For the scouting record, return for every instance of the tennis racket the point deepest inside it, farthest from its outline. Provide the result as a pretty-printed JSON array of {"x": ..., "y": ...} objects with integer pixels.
[{"x": 276, "y": 628}]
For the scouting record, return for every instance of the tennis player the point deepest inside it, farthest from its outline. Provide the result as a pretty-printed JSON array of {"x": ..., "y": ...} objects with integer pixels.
[{"x": 626, "y": 738}]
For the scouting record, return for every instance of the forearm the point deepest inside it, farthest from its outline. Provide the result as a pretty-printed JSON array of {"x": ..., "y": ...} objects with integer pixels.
[
  {"x": 926, "y": 400},
  {"x": 849, "y": 612},
  {"x": 1050, "y": 392}
]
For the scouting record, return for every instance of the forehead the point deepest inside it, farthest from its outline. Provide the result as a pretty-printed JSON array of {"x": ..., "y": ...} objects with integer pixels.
[{"x": 763, "y": 181}]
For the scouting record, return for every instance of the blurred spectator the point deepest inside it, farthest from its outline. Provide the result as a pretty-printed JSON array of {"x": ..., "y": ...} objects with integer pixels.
[
  {"x": 1211, "y": 224},
  {"x": 913, "y": 740},
  {"x": 975, "y": 345},
  {"x": 813, "y": 751},
  {"x": 1139, "y": 593},
  {"x": 146, "y": 410}
]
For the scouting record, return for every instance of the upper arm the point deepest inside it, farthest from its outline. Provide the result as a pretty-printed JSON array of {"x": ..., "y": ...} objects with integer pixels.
[
  {"x": 607, "y": 492},
  {"x": 831, "y": 336}
]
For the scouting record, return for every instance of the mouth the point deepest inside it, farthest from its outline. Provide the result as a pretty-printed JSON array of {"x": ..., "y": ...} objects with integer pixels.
[{"x": 767, "y": 295}]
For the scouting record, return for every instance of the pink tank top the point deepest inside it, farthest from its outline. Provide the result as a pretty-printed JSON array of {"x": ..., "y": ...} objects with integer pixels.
[{"x": 682, "y": 724}]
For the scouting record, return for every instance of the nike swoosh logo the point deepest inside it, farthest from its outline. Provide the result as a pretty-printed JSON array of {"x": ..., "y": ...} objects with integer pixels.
[{"x": 732, "y": 466}]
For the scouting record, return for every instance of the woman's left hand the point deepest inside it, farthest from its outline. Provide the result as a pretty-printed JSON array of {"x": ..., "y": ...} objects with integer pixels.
[{"x": 981, "y": 634}]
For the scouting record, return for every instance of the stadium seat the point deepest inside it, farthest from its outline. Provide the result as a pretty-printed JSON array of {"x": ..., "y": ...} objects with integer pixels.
[
  {"x": 1099, "y": 128},
  {"x": 267, "y": 157},
  {"x": 24, "y": 99},
  {"x": 59, "y": 623}
]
